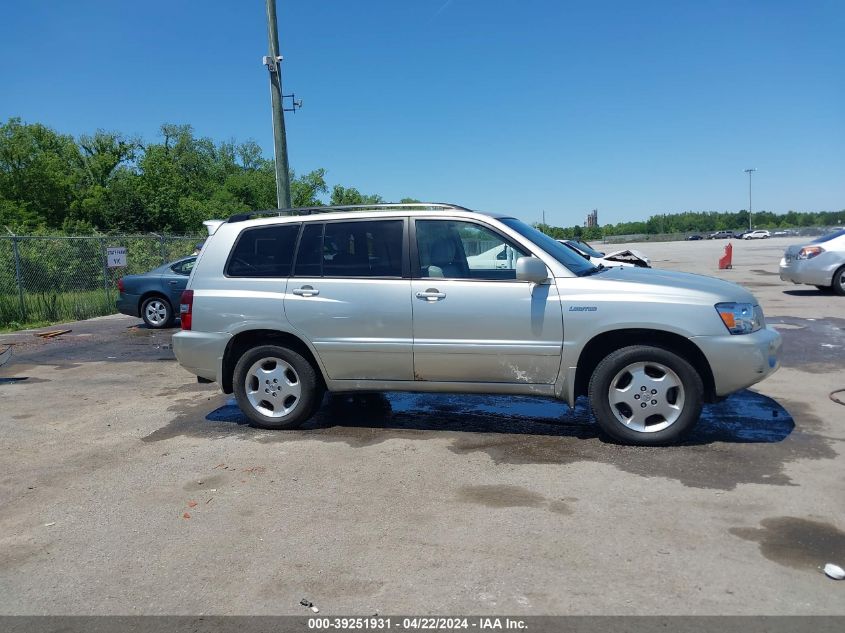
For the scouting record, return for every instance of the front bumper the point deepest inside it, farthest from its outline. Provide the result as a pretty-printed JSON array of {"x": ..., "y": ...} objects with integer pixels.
[
  {"x": 741, "y": 360},
  {"x": 201, "y": 353}
]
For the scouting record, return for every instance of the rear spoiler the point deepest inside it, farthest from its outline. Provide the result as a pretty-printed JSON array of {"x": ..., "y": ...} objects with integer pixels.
[{"x": 212, "y": 226}]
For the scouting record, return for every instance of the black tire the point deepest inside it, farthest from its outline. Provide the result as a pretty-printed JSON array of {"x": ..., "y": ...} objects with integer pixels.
[
  {"x": 301, "y": 378},
  {"x": 838, "y": 281},
  {"x": 157, "y": 312},
  {"x": 684, "y": 402}
]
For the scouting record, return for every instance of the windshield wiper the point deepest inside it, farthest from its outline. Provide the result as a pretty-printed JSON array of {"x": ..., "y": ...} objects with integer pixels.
[{"x": 597, "y": 269}]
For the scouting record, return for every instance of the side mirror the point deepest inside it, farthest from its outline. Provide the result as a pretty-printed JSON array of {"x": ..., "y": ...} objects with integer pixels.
[{"x": 531, "y": 269}]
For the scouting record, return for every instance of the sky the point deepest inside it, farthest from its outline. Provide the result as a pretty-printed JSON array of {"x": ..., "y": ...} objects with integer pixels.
[{"x": 522, "y": 106}]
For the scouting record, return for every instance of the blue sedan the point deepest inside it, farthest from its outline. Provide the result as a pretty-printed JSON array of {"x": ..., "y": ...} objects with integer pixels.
[{"x": 154, "y": 296}]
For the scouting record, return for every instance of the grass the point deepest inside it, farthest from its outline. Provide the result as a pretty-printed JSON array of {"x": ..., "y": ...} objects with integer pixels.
[{"x": 40, "y": 309}]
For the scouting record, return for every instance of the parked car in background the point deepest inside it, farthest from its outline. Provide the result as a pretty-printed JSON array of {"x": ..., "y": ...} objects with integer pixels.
[
  {"x": 820, "y": 263},
  {"x": 720, "y": 235},
  {"x": 759, "y": 234},
  {"x": 500, "y": 256},
  {"x": 154, "y": 295},
  {"x": 383, "y": 298},
  {"x": 692, "y": 238},
  {"x": 624, "y": 257}
]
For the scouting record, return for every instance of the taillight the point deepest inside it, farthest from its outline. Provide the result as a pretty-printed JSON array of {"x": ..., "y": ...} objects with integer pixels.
[
  {"x": 186, "y": 306},
  {"x": 120, "y": 287},
  {"x": 808, "y": 252}
]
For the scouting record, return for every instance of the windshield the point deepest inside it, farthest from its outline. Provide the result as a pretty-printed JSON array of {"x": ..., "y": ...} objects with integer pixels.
[
  {"x": 561, "y": 253},
  {"x": 825, "y": 238}
]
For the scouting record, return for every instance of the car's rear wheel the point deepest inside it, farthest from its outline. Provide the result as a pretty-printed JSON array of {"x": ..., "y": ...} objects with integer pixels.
[
  {"x": 157, "y": 312},
  {"x": 646, "y": 395},
  {"x": 839, "y": 281},
  {"x": 276, "y": 387}
]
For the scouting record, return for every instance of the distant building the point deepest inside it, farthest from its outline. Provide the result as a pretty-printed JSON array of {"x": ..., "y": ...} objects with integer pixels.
[{"x": 592, "y": 218}]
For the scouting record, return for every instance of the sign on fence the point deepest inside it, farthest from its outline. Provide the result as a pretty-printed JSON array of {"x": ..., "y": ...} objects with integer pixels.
[{"x": 117, "y": 256}]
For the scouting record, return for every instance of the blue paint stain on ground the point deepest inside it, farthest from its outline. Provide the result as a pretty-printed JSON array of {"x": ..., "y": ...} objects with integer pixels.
[
  {"x": 744, "y": 417},
  {"x": 747, "y": 438}
]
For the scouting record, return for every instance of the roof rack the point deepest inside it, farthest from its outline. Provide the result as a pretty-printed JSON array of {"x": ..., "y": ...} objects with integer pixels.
[{"x": 387, "y": 206}]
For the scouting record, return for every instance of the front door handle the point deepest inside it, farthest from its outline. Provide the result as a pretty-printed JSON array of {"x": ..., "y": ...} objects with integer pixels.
[
  {"x": 431, "y": 294},
  {"x": 305, "y": 291}
]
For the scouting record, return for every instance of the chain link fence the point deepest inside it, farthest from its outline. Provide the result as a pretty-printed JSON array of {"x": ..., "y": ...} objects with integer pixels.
[{"x": 68, "y": 278}]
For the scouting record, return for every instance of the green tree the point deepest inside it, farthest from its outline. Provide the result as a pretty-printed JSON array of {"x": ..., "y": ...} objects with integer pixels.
[
  {"x": 305, "y": 190},
  {"x": 102, "y": 152},
  {"x": 350, "y": 195},
  {"x": 39, "y": 173}
]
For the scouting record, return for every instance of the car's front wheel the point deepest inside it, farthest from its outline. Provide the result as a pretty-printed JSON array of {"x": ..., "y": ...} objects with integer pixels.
[
  {"x": 839, "y": 281},
  {"x": 276, "y": 387},
  {"x": 156, "y": 312},
  {"x": 646, "y": 395}
]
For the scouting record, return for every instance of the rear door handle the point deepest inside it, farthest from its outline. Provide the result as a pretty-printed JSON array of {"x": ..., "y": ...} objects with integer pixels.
[
  {"x": 431, "y": 295},
  {"x": 305, "y": 291}
]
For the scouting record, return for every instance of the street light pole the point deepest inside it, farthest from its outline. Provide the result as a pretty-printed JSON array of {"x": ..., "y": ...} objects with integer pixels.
[
  {"x": 749, "y": 172},
  {"x": 280, "y": 145}
]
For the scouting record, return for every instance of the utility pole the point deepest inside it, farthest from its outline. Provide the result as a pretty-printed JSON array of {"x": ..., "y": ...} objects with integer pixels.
[
  {"x": 749, "y": 172},
  {"x": 280, "y": 145}
]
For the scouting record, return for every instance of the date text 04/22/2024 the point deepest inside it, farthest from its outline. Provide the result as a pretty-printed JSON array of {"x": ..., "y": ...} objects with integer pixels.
[{"x": 417, "y": 623}]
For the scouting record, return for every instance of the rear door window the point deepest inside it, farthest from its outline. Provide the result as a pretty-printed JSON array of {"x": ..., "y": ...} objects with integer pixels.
[
  {"x": 364, "y": 248},
  {"x": 265, "y": 251}
]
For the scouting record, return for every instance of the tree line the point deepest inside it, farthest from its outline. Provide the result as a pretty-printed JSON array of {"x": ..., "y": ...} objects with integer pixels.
[
  {"x": 701, "y": 222},
  {"x": 111, "y": 182}
]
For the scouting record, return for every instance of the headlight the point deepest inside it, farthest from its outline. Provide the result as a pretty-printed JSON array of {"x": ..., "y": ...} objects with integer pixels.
[
  {"x": 741, "y": 318},
  {"x": 808, "y": 252}
]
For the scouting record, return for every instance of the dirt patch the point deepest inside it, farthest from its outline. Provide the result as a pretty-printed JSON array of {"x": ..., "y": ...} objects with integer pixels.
[
  {"x": 205, "y": 483},
  {"x": 20, "y": 554},
  {"x": 501, "y": 496},
  {"x": 504, "y": 496},
  {"x": 796, "y": 543},
  {"x": 811, "y": 345}
]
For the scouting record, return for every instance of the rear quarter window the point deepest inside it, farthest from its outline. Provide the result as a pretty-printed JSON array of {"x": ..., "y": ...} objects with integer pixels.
[
  {"x": 264, "y": 251},
  {"x": 828, "y": 237}
]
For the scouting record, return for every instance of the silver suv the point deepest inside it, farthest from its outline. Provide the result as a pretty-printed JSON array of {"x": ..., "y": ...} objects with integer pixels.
[{"x": 392, "y": 298}]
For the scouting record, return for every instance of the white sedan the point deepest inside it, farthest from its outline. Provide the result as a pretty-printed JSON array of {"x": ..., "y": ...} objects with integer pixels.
[
  {"x": 759, "y": 234},
  {"x": 820, "y": 263}
]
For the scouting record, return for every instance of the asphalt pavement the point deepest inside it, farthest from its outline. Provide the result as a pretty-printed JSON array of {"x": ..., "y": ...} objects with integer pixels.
[{"x": 128, "y": 488}]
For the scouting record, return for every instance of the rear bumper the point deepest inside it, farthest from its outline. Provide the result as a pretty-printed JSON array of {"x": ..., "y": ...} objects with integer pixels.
[
  {"x": 201, "y": 353},
  {"x": 129, "y": 304},
  {"x": 741, "y": 360},
  {"x": 808, "y": 271}
]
